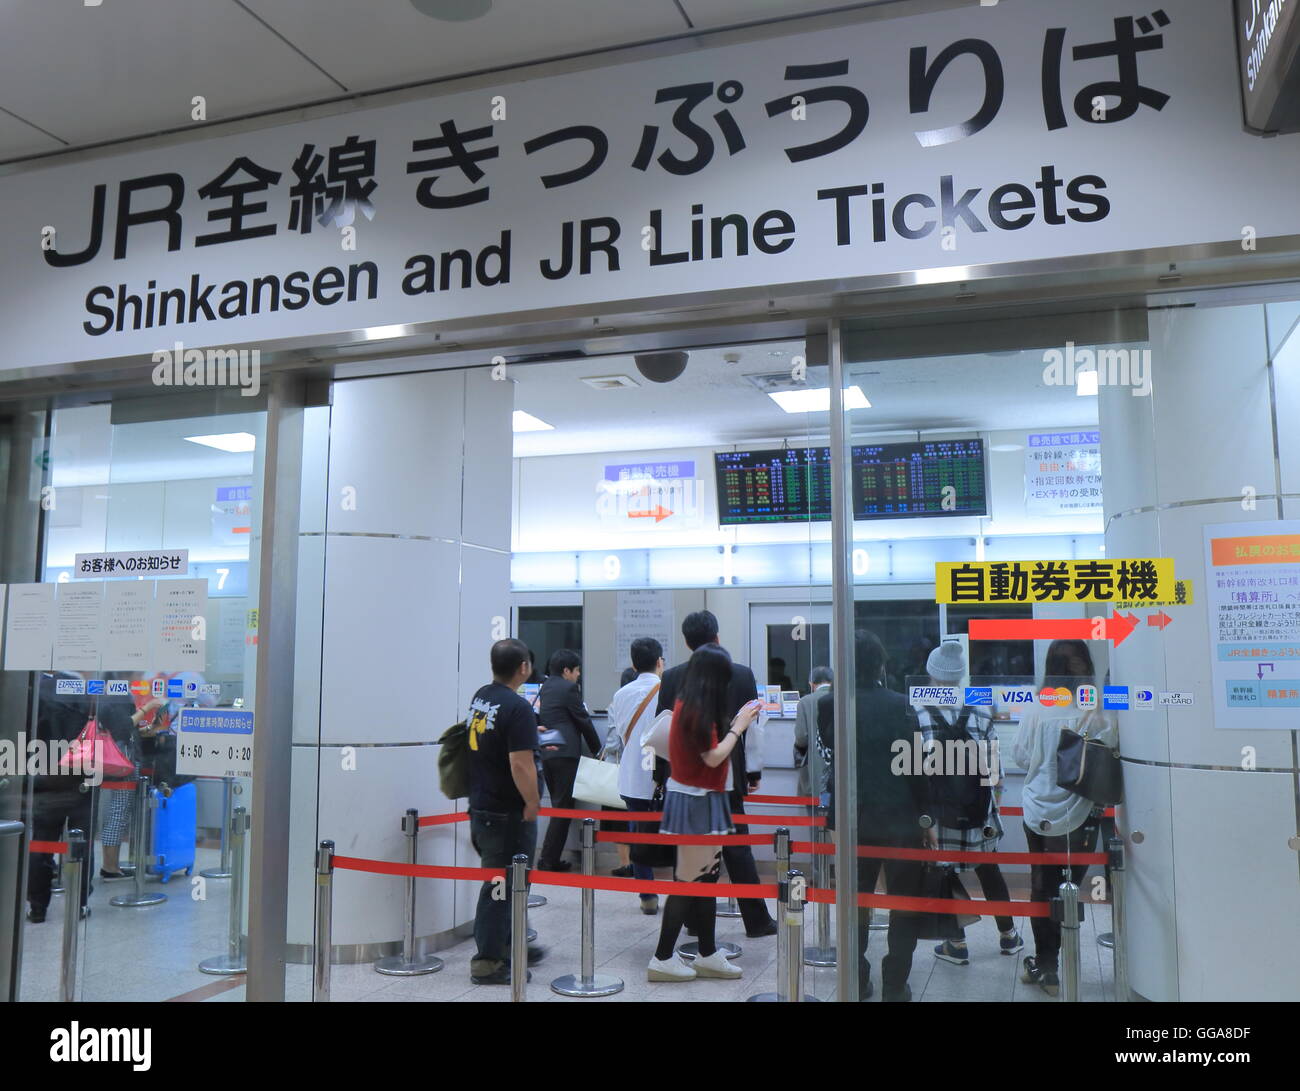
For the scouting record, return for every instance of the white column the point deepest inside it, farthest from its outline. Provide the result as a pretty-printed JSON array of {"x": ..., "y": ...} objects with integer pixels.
[
  {"x": 402, "y": 571},
  {"x": 1213, "y": 888}
]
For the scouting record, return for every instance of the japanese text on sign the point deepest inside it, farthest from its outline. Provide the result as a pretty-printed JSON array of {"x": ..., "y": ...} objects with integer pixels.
[
  {"x": 172, "y": 562},
  {"x": 1142, "y": 581}
]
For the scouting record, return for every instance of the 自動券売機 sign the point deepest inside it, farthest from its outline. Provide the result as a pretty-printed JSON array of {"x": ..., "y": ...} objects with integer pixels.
[{"x": 1138, "y": 581}]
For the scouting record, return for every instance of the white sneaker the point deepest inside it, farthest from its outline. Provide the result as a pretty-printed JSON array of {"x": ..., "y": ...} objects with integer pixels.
[
  {"x": 670, "y": 969},
  {"x": 716, "y": 965}
]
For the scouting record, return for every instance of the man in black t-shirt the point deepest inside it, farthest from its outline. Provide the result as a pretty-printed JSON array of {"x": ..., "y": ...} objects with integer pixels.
[{"x": 504, "y": 797}]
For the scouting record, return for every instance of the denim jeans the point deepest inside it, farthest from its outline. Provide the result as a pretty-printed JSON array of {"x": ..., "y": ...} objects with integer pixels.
[
  {"x": 497, "y": 837},
  {"x": 1045, "y": 881}
]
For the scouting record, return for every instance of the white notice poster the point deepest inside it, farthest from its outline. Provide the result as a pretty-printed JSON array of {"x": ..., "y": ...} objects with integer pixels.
[
  {"x": 128, "y": 608},
  {"x": 1063, "y": 473},
  {"x": 1252, "y": 576},
  {"x": 643, "y": 613},
  {"x": 78, "y": 627},
  {"x": 29, "y": 632},
  {"x": 179, "y": 625}
]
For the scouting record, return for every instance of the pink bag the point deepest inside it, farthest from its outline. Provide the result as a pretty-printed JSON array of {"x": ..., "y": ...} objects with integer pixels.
[{"x": 112, "y": 765}]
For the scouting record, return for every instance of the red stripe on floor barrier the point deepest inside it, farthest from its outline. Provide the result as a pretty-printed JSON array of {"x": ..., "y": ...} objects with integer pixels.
[
  {"x": 955, "y": 906},
  {"x": 47, "y": 846},
  {"x": 420, "y": 871},
  {"x": 444, "y": 819},
  {"x": 686, "y": 839}
]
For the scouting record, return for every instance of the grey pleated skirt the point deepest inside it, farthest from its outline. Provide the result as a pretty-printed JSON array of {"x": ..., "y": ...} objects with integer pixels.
[{"x": 696, "y": 815}]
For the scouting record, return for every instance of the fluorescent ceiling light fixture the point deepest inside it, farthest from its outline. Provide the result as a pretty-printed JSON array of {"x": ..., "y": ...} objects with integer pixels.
[
  {"x": 1007, "y": 447},
  {"x": 526, "y": 422},
  {"x": 237, "y": 443},
  {"x": 385, "y": 333},
  {"x": 817, "y": 400},
  {"x": 942, "y": 276},
  {"x": 1086, "y": 384}
]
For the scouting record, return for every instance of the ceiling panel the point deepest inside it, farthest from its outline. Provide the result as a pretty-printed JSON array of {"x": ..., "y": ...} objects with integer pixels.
[
  {"x": 711, "y": 14},
  {"x": 19, "y": 138},
  {"x": 382, "y": 43},
  {"x": 129, "y": 67}
]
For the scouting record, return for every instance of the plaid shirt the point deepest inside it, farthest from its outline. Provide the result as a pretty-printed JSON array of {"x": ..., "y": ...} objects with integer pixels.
[{"x": 981, "y": 729}]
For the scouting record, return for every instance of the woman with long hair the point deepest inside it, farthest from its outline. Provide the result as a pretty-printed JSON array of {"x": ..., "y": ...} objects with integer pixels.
[
  {"x": 1056, "y": 819},
  {"x": 701, "y": 739}
]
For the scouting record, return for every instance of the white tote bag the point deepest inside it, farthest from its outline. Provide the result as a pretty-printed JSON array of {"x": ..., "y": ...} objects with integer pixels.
[
  {"x": 657, "y": 732},
  {"x": 597, "y": 782}
]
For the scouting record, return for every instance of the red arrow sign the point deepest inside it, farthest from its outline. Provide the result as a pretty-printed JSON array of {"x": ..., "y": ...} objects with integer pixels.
[
  {"x": 1115, "y": 628},
  {"x": 1159, "y": 620},
  {"x": 659, "y": 513}
]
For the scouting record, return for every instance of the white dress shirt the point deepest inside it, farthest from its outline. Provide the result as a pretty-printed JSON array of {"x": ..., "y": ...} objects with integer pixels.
[{"x": 634, "y": 781}]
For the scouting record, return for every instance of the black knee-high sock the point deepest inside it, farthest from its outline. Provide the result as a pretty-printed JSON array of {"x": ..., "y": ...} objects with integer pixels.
[
  {"x": 706, "y": 919},
  {"x": 676, "y": 909}
]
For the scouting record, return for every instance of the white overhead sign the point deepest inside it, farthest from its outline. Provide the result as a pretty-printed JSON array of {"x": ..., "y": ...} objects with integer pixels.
[{"x": 938, "y": 141}]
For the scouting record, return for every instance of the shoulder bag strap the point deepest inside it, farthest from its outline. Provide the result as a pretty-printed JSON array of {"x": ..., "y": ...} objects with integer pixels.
[{"x": 637, "y": 714}]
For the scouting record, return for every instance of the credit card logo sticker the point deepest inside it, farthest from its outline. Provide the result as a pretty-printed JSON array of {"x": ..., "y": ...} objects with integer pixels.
[
  {"x": 942, "y": 696},
  {"x": 1115, "y": 698},
  {"x": 1086, "y": 696},
  {"x": 118, "y": 687},
  {"x": 1177, "y": 698},
  {"x": 979, "y": 695},
  {"x": 1054, "y": 697}
]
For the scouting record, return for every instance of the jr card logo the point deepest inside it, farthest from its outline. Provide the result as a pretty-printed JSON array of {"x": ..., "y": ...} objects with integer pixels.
[
  {"x": 979, "y": 695},
  {"x": 1086, "y": 696},
  {"x": 1177, "y": 698},
  {"x": 1115, "y": 699},
  {"x": 1054, "y": 697}
]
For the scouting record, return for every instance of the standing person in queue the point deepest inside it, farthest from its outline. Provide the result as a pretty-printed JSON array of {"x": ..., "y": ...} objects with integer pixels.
[
  {"x": 890, "y": 807},
  {"x": 965, "y": 799},
  {"x": 808, "y": 759},
  {"x": 1056, "y": 819},
  {"x": 560, "y": 708},
  {"x": 504, "y": 798},
  {"x": 702, "y": 738},
  {"x": 629, "y": 714},
  {"x": 700, "y": 629}
]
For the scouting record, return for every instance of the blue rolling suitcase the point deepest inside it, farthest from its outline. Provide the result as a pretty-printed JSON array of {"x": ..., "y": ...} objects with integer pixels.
[{"x": 174, "y": 822}]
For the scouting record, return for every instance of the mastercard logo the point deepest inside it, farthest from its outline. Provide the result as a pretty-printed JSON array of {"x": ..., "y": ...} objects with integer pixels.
[
  {"x": 141, "y": 688},
  {"x": 1054, "y": 697}
]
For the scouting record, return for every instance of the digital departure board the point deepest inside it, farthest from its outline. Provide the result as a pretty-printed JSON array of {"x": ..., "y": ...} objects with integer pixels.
[
  {"x": 790, "y": 486},
  {"x": 890, "y": 481}
]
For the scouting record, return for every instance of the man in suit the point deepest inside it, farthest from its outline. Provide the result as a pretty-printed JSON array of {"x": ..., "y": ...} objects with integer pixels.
[
  {"x": 560, "y": 707},
  {"x": 698, "y": 629},
  {"x": 890, "y": 806}
]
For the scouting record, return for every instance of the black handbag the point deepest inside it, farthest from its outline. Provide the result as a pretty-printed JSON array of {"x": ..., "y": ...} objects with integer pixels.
[
  {"x": 938, "y": 881},
  {"x": 649, "y": 855},
  {"x": 1088, "y": 767}
]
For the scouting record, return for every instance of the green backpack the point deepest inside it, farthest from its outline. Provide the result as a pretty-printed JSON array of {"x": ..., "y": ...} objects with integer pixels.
[{"x": 453, "y": 761}]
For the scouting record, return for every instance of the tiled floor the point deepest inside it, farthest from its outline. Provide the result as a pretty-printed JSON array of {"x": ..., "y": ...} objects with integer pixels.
[{"x": 151, "y": 954}]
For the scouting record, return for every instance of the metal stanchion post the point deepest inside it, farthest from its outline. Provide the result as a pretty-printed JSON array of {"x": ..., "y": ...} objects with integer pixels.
[
  {"x": 140, "y": 850},
  {"x": 1115, "y": 847},
  {"x": 233, "y": 961},
  {"x": 781, "y": 842},
  {"x": 519, "y": 928},
  {"x": 223, "y": 871},
  {"x": 408, "y": 964},
  {"x": 1068, "y": 905},
  {"x": 822, "y": 953},
  {"x": 73, "y": 862},
  {"x": 793, "y": 924},
  {"x": 588, "y": 983},
  {"x": 320, "y": 992},
  {"x": 729, "y": 908},
  {"x": 729, "y": 950}
]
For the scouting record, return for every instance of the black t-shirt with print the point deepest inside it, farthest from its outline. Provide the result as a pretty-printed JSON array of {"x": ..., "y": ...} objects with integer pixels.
[{"x": 500, "y": 721}]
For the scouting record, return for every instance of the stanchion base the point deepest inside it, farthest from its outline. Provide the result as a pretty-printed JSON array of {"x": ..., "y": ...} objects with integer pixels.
[
  {"x": 724, "y": 910},
  {"x": 397, "y": 966},
  {"x": 214, "y": 873},
  {"x": 596, "y": 985},
  {"x": 1106, "y": 939},
  {"x": 879, "y": 922},
  {"x": 531, "y": 935},
  {"x": 223, "y": 966},
  {"x": 772, "y": 998},
  {"x": 56, "y": 890},
  {"x": 692, "y": 950},
  {"x": 135, "y": 901},
  {"x": 819, "y": 956},
  {"x": 536, "y": 901}
]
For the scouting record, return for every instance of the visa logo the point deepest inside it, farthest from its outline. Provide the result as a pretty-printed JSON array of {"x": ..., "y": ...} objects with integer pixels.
[
  {"x": 979, "y": 695},
  {"x": 1016, "y": 696},
  {"x": 1115, "y": 698},
  {"x": 118, "y": 687}
]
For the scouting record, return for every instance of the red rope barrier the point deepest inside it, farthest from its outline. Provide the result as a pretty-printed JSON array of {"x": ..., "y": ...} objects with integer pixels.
[
  {"x": 419, "y": 871},
  {"x": 119, "y": 785},
  {"x": 655, "y": 816},
  {"x": 654, "y": 886},
  {"x": 791, "y": 801},
  {"x": 1109, "y": 812},
  {"x": 686, "y": 839},
  {"x": 955, "y": 906},
  {"x": 444, "y": 819},
  {"x": 50, "y": 847}
]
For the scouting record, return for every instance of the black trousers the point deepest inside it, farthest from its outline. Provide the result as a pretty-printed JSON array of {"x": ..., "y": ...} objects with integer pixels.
[
  {"x": 1045, "y": 880},
  {"x": 902, "y": 879},
  {"x": 49, "y": 812},
  {"x": 739, "y": 862},
  {"x": 560, "y": 773}
]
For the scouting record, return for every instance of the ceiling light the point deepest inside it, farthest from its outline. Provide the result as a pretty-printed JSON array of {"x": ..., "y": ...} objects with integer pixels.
[
  {"x": 818, "y": 400},
  {"x": 237, "y": 443},
  {"x": 942, "y": 276},
  {"x": 526, "y": 422},
  {"x": 1007, "y": 447},
  {"x": 610, "y": 382},
  {"x": 452, "y": 11},
  {"x": 1087, "y": 384}
]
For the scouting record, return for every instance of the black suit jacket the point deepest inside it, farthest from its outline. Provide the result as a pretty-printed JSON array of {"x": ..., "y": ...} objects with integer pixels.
[
  {"x": 740, "y": 691},
  {"x": 560, "y": 706}
]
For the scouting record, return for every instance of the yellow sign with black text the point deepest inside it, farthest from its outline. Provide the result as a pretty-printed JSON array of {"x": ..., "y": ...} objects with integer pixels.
[{"x": 1130, "y": 582}]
